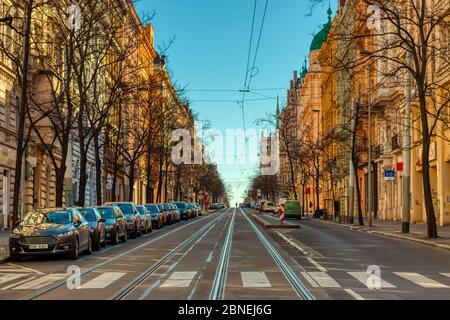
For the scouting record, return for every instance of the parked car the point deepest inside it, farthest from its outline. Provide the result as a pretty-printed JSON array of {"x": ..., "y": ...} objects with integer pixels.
[
  {"x": 163, "y": 212},
  {"x": 213, "y": 206},
  {"x": 115, "y": 222},
  {"x": 146, "y": 218},
  {"x": 184, "y": 209},
  {"x": 260, "y": 207},
  {"x": 96, "y": 225},
  {"x": 170, "y": 213},
  {"x": 193, "y": 210},
  {"x": 199, "y": 208},
  {"x": 134, "y": 223},
  {"x": 177, "y": 212},
  {"x": 292, "y": 209},
  {"x": 157, "y": 218},
  {"x": 268, "y": 207},
  {"x": 51, "y": 231}
]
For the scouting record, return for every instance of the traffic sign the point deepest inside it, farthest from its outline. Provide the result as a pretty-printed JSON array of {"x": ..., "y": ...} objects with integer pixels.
[{"x": 389, "y": 175}]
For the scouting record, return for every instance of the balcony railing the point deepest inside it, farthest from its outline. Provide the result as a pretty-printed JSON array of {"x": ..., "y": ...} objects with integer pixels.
[
  {"x": 379, "y": 151},
  {"x": 396, "y": 142}
]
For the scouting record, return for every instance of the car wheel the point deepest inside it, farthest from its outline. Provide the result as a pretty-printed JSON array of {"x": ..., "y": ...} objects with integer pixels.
[
  {"x": 88, "y": 250},
  {"x": 159, "y": 224},
  {"x": 103, "y": 243},
  {"x": 75, "y": 254},
  {"x": 145, "y": 229},
  {"x": 138, "y": 231},
  {"x": 116, "y": 237},
  {"x": 97, "y": 244},
  {"x": 14, "y": 257},
  {"x": 125, "y": 236}
]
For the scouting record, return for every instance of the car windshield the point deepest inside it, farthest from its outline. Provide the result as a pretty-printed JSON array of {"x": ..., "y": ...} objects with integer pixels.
[
  {"x": 127, "y": 208},
  {"x": 107, "y": 212},
  {"x": 88, "y": 214},
  {"x": 180, "y": 205},
  {"x": 55, "y": 217},
  {"x": 269, "y": 204},
  {"x": 140, "y": 209},
  {"x": 166, "y": 206},
  {"x": 152, "y": 208}
]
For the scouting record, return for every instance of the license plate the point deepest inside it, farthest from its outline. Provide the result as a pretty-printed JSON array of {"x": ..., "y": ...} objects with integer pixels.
[{"x": 38, "y": 246}]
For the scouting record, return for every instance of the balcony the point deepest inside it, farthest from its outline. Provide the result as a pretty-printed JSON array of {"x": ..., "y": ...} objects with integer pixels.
[
  {"x": 396, "y": 142},
  {"x": 379, "y": 151}
]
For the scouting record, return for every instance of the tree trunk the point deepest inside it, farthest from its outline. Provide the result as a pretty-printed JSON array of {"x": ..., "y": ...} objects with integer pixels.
[
  {"x": 160, "y": 178},
  {"x": 59, "y": 185},
  {"x": 21, "y": 144},
  {"x": 83, "y": 177},
  {"x": 148, "y": 175},
  {"x": 291, "y": 166},
  {"x": 358, "y": 193},
  {"x": 426, "y": 142},
  {"x": 132, "y": 178},
  {"x": 98, "y": 170}
]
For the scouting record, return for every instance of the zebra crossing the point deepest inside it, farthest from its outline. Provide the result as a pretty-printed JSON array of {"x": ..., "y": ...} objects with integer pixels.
[{"x": 20, "y": 279}]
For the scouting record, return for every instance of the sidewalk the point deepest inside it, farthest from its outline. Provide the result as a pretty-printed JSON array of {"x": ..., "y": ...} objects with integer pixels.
[
  {"x": 392, "y": 229},
  {"x": 4, "y": 250}
]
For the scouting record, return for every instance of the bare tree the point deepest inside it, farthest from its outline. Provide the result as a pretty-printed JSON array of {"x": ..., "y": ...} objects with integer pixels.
[{"x": 407, "y": 42}]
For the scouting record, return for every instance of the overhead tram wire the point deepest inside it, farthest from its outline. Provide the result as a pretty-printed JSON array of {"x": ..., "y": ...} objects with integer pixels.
[{"x": 247, "y": 85}]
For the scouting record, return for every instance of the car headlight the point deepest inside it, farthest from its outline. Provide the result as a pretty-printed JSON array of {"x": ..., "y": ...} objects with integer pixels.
[{"x": 64, "y": 234}]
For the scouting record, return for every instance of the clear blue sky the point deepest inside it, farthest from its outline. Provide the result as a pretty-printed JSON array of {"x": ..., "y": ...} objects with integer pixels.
[{"x": 210, "y": 53}]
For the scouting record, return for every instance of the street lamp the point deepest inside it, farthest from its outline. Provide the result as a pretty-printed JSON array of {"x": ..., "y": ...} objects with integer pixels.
[
  {"x": 369, "y": 160},
  {"x": 317, "y": 111}
]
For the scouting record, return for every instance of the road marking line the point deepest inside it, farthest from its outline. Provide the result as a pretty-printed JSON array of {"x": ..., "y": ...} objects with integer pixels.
[
  {"x": 179, "y": 280},
  {"x": 209, "y": 259},
  {"x": 446, "y": 274},
  {"x": 102, "y": 281},
  {"x": 364, "y": 276},
  {"x": 421, "y": 280},
  {"x": 255, "y": 279},
  {"x": 324, "y": 280},
  {"x": 2, "y": 270},
  {"x": 25, "y": 268},
  {"x": 42, "y": 281},
  {"x": 354, "y": 294},
  {"x": 311, "y": 281},
  {"x": 18, "y": 283},
  {"x": 316, "y": 264},
  {"x": 7, "y": 277}
]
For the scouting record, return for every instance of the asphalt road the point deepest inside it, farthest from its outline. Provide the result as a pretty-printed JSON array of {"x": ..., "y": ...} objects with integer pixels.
[{"x": 226, "y": 255}]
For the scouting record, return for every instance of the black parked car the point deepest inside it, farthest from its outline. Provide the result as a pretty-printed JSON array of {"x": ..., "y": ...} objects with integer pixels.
[
  {"x": 146, "y": 218},
  {"x": 115, "y": 222},
  {"x": 133, "y": 217},
  {"x": 157, "y": 218},
  {"x": 97, "y": 226},
  {"x": 51, "y": 231}
]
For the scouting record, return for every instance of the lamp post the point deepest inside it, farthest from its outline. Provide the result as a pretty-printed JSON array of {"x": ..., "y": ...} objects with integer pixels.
[
  {"x": 369, "y": 160},
  {"x": 317, "y": 191},
  {"x": 406, "y": 205}
]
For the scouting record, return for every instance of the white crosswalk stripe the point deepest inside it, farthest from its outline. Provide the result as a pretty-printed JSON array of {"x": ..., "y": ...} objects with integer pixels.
[
  {"x": 41, "y": 282},
  {"x": 10, "y": 286},
  {"x": 179, "y": 280},
  {"x": 255, "y": 279},
  {"x": 363, "y": 277},
  {"x": 324, "y": 280},
  {"x": 421, "y": 280},
  {"x": 7, "y": 277},
  {"x": 103, "y": 280}
]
